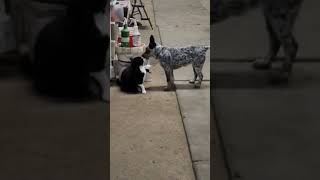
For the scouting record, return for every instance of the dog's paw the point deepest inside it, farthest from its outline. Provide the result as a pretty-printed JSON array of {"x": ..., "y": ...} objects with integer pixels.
[
  {"x": 197, "y": 85},
  {"x": 169, "y": 88},
  {"x": 261, "y": 64},
  {"x": 144, "y": 92}
]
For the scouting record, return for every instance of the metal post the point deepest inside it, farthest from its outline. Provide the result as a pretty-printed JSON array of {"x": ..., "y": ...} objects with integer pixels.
[{"x": 138, "y": 6}]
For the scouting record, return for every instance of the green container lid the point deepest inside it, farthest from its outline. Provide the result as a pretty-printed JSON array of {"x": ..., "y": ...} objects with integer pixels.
[{"x": 125, "y": 32}]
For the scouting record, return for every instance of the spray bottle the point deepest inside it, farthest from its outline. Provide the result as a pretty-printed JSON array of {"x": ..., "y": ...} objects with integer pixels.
[
  {"x": 125, "y": 33},
  {"x": 136, "y": 35}
]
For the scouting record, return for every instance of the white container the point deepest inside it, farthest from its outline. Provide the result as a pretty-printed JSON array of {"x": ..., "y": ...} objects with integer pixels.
[
  {"x": 112, "y": 73},
  {"x": 117, "y": 13},
  {"x": 133, "y": 51},
  {"x": 120, "y": 65},
  {"x": 114, "y": 31},
  {"x": 136, "y": 35}
]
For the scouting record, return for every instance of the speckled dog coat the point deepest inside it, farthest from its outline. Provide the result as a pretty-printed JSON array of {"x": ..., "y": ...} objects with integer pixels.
[
  {"x": 174, "y": 58},
  {"x": 280, "y": 17}
]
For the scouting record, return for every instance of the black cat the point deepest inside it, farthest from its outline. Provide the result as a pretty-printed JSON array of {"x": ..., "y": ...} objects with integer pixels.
[
  {"x": 280, "y": 16},
  {"x": 132, "y": 77},
  {"x": 72, "y": 47}
]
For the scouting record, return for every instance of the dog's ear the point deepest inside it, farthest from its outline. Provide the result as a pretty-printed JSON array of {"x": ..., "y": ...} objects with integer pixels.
[
  {"x": 152, "y": 39},
  {"x": 152, "y": 42}
]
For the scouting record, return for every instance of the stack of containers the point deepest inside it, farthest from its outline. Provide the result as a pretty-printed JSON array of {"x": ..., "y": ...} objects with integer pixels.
[{"x": 132, "y": 46}]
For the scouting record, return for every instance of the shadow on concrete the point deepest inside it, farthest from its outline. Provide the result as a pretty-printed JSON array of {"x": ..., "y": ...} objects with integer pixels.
[
  {"x": 268, "y": 130},
  {"x": 185, "y": 86},
  {"x": 239, "y": 74},
  {"x": 49, "y": 138}
]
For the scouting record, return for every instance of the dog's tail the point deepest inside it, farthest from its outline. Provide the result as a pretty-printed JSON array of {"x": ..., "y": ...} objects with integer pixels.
[{"x": 205, "y": 48}]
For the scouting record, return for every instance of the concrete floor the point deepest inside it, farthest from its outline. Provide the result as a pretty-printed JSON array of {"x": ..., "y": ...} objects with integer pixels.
[
  {"x": 148, "y": 140},
  {"x": 178, "y": 21},
  {"x": 44, "y": 138},
  {"x": 147, "y": 135},
  {"x": 268, "y": 131}
]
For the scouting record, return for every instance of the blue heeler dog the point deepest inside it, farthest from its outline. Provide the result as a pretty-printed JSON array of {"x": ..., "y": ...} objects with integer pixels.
[
  {"x": 174, "y": 58},
  {"x": 280, "y": 17}
]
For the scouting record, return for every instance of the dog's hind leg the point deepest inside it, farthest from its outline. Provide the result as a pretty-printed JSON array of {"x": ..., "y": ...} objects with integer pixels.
[
  {"x": 283, "y": 24},
  {"x": 198, "y": 70},
  {"x": 274, "y": 44},
  {"x": 198, "y": 84},
  {"x": 195, "y": 75}
]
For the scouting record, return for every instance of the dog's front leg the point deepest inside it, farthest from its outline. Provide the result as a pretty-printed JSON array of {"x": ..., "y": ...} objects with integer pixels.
[
  {"x": 169, "y": 79},
  {"x": 167, "y": 72},
  {"x": 172, "y": 85},
  {"x": 274, "y": 43}
]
